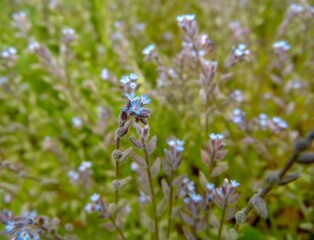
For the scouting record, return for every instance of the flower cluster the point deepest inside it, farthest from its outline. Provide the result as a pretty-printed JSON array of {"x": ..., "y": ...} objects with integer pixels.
[
  {"x": 68, "y": 35},
  {"x": 239, "y": 53},
  {"x": 214, "y": 151},
  {"x": 150, "y": 52},
  {"x": 9, "y": 55},
  {"x": 226, "y": 194},
  {"x": 173, "y": 155},
  {"x": 84, "y": 171},
  {"x": 281, "y": 47},
  {"x": 129, "y": 82},
  {"x": 96, "y": 204},
  {"x": 21, "y": 22}
]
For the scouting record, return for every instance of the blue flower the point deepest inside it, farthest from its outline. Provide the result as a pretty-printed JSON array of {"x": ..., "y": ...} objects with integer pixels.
[
  {"x": 145, "y": 99},
  {"x": 136, "y": 107},
  {"x": 10, "y": 226},
  {"x": 24, "y": 235}
]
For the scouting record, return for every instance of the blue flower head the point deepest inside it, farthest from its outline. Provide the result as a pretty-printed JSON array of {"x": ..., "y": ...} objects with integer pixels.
[
  {"x": 10, "y": 226},
  {"x": 145, "y": 99},
  {"x": 24, "y": 235}
]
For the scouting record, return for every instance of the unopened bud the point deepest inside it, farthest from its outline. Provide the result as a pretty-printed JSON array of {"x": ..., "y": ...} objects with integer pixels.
[
  {"x": 145, "y": 131},
  {"x": 116, "y": 154},
  {"x": 240, "y": 217},
  {"x": 41, "y": 221},
  {"x": 310, "y": 136},
  {"x": 259, "y": 206},
  {"x": 272, "y": 178},
  {"x": 290, "y": 177}
]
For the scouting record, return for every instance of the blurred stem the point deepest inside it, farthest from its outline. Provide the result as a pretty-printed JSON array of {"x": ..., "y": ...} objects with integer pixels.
[
  {"x": 151, "y": 186},
  {"x": 118, "y": 228},
  {"x": 117, "y": 170},
  {"x": 281, "y": 174},
  {"x": 222, "y": 219},
  {"x": 194, "y": 228},
  {"x": 170, "y": 205}
]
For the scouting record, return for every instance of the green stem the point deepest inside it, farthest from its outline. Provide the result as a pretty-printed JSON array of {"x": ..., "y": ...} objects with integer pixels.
[
  {"x": 118, "y": 228},
  {"x": 170, "y": 205},
  {"x": 152, "y": 192},
  {"x": 222, "y": 219}
]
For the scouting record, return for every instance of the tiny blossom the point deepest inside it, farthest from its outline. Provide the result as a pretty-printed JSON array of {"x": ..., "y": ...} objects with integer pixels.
[
  {"x": 234, "y": 183},
  {"x": 133, "y": 85},
  {"x": 85, "y": 165},
  {"x": 145, "y": 99},
  {"x": 24, "y": 235},
  {"x": 281, "y": 45},
  {"x": 134, "y": 166},
  {"x": 177, "y": 144},
  {"x": 296, "y": 8},
  {"x": 143, "y": 198},
  {"x": 187, "y": 17},
  {"x": 263, "y": 119},
  {"x": 237, "y": 95},
  {"x": 68, "y": 31},
  {"x": 89, "y": 207},
  {"x": 196, "y": 197},
  {"x": 33, "y": 46},
  {"x": 214, "y": 136},
  {"x": 74, "y": 176},
  {"x": 8, "y": 53},
  {"x": 95, "y": 197},
  {"x": 241, "y": 50},
  {"x": 149, "y": 49},
  {"x": 238, "y": 116},
  {"x": 279, "y": 122},
  {"x": 125, "y": 79},
  {"x": 77, "y": 122},
  {"x": 210, "y": 186},
  {"x": 10, "y": 226},
  {"x": 104, "y": 75}
]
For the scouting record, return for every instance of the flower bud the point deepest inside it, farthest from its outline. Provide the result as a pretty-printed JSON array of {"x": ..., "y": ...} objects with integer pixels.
[
  {"x": 306, "y": 158},
  {"x": 116, "y": 154},
  {"x": 240, "y": 217},
  {"x": 259, "y": 206}
]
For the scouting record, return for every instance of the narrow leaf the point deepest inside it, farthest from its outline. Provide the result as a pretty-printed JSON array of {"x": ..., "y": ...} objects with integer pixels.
[
  {"x": 187, "y": 218},
  {"x": 165, "y": 188},
  {"x": 156, "y": 167},
  {"x": 152, "y": 145},
  {"x": 136, "y": 143}
]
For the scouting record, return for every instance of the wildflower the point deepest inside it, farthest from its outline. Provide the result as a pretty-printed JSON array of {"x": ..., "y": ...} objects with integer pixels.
[
  {"x": 149, "y": 49},
  {"x": 214, "y": 136},
  {"x": 33, "y": 46},
  {"x": 104, "y": 75},
  {"x": 279, "y": 122},
  {"x": 296, "y": 8},
  {"x": 238, "y": 116},
  {"x": 210, "y": 186},
  {"x": 8, "y": 53},
  {"x": 85, "y": 165},
  {"x": 77, "y": 122},
  {"x": 182, "y": 18},
  {"x": 237, "y": 95},
  {"x": 281, "y": 46},
  {"x": 89, "y": 207},
  {"x": 24, "y": 235},
  {"x": 177, "y": 144},
  {"x": 68, "y": 32},
  {"x": 143, "y": 198},
  {"x": 263, "y": 119},
  {"x": 134, "y": 166},
  {"x": 74, "y": 176},
  {"x": 10, "y": 226},
  {"x": 241, "y": 50},
  {"x": 95, "y": 197}
]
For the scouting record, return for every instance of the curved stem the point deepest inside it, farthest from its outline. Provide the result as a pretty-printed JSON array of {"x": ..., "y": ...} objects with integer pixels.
[{"x": 152, "y": 192}]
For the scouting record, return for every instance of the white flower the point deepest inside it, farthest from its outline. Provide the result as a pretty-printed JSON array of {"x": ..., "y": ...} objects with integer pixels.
[
  {"x": 88, "y": 208},
  {"x": 73, "y": 175},
  {"x": 241, "y": 50},
  {"x": 234, "y": 183}
]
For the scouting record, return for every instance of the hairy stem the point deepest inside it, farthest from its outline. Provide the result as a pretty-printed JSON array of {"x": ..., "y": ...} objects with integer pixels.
[{"x": 151, "y": 186}]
